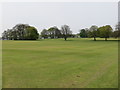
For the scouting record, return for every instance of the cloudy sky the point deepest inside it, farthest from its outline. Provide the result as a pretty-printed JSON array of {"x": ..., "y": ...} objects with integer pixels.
[{"x": 42, "y": 15}]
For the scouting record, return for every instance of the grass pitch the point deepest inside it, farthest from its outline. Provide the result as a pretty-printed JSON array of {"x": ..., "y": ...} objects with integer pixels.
[{"x": 55, "y": 63}]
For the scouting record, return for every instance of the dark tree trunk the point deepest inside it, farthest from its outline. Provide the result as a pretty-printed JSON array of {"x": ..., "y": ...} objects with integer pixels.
[
  {"x": 94, "y": 39},
  {"x": 65, "y": 38},
  {"x": 105, "y": 39}
]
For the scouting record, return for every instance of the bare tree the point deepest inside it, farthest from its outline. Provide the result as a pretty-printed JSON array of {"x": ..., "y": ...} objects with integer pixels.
[{"x": 65, "y": 30}]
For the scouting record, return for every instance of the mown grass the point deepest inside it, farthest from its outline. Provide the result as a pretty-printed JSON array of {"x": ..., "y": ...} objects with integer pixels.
[
  {"x": 76, "y": 63},
  {"x": 0, "y": 64}
]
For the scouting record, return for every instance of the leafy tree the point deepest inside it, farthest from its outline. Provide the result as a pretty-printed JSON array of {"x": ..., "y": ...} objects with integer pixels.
[
  {"x": 51, "y": 32},
  {"x": 21, "y": 32},
  {"x": 93, "y": 32},
  {"x": 32, "y": 33},
  {"x": 4, "y": 35},
  {"x": 116, "y": 34},
  {"x": 44, "y": 33},
  {"x": 105, "y": 31},
  {"x": 83, "y": 33},
  {"x": 66, "y": 32},
  {"x": 54, "y": 32},
  {"x": 57, "y": 33},
  {"x": 117, "y": 27}
]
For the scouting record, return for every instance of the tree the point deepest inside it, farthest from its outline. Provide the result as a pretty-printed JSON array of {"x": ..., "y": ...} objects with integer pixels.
[
  {"x": 105, "y": 31},
  {"x": 115, "y": 34},
  {"x": 4, "y": 35},
  {"x": 7, "y": 34},
  {"x": 31, "y": 34},
  {"x": 93, "y": 32},
  {"x": 44, "y": 33},
  {"x": 21, "y": 32},
  {"x": 57, "y": 33},
  {"x": 54, "y": 32},
  {"x": 51, "y": 32},
  {"x": 117, "y": 27},
  {"x": 83, "y": 33},
  {"x": 65, "y": 31}
]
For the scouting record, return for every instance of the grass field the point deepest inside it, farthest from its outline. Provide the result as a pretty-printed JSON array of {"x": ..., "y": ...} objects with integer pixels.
[{"x": 76, "y": 63}]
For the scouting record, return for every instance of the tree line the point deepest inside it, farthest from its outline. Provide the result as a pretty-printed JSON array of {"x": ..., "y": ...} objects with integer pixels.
[
  {"x": 102, "y": 32},
  {"x": 21, "y": 32},
  {"x": 27, "y": 32},
  {"x": 54, "y": 32}
]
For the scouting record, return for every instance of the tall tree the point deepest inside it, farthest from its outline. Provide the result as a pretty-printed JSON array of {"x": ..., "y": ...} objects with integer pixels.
[
  {"x": 51, "y": 32},
  {"x": 83, "y": 33},
  {"x": 32, "y": 33},
  {"x": 21, "y": 32},
  {"x": 4, "y": 35},
  {"x": 65, "y": 30},
  {"x": 44, "y": 33},
  {"x": 57, "y": 33},
  {"x": 94, "y": 32},
  {"x": 105, "y": 31},
  {"x": 116, "y": 33},
  {"x": 54, "y": 32}
]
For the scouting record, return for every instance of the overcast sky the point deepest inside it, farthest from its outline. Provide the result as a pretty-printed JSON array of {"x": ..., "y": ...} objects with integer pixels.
[{"x": 42, "y": 15}]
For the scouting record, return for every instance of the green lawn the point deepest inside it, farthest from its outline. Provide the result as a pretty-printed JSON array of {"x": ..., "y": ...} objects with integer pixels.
[{"x": 76, "y": 63}]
